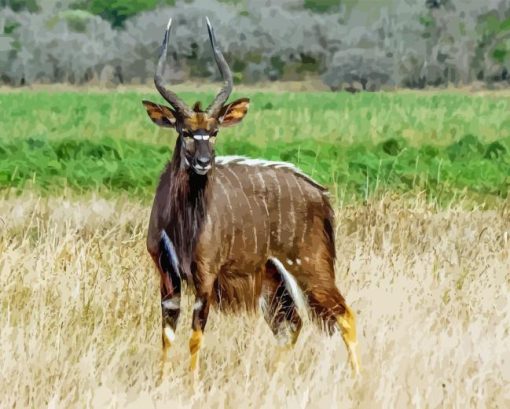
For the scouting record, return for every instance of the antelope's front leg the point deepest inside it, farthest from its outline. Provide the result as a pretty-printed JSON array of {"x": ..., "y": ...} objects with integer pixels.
[
  {"x": 170, "y": 311},
  {"x": 170, "y": 287},
  {"x": 200, "y": 314}
]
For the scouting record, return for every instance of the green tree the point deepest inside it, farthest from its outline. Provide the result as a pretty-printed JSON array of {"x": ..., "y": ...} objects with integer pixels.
[
  {"x": 322, "y": 6},
  {"x": 495, "y": 36},
  {"x": 18, "y": 5},
  {"x": 118, "y": 11}
]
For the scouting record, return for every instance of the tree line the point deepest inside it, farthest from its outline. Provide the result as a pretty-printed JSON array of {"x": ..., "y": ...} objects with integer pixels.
[{"x": 345, "y": 43}]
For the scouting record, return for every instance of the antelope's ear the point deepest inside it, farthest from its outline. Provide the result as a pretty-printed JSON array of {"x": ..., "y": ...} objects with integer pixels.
[
  {"x": 234, "y": 112},
  {"x": 160, "y": 114}
]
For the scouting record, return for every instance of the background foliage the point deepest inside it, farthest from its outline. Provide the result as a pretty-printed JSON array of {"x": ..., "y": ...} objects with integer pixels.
[{"x": 345, "y": 43}]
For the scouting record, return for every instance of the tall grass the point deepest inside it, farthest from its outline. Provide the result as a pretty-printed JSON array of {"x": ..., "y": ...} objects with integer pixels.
[{"x": 81, "y": 325}]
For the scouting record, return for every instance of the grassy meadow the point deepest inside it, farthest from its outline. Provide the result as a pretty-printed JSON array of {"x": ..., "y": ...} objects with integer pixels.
[
  {"x": 443, "y": 145},
  {"x": 420, "y": 189}
]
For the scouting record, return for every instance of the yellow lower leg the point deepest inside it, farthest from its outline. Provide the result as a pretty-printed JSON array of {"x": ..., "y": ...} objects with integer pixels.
[
  {"x": 168, "y": 337},
  {"x": 194, "y": 347},
  {"x": 347, "y": 323}
]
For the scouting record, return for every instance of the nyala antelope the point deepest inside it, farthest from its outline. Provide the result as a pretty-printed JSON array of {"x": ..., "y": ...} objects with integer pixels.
[{"x": 243, "y": 233}]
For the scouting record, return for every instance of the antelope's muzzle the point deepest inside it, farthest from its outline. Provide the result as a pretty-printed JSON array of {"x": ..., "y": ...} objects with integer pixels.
[
  {"x": 202, "y": 165},
  {"x": 202, "y": 162}
]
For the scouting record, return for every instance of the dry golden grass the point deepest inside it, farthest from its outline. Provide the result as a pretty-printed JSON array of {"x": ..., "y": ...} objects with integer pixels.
[{"x": 80, "y": 320}]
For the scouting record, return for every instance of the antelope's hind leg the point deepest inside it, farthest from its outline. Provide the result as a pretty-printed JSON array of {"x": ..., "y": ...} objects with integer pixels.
[
  {"x": 279, "y": 307},
  {"x": 347, "y": 324},
  {"x": 330, "y": 308}
]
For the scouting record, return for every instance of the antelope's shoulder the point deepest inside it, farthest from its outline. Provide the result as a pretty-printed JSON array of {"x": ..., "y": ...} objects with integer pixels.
[{"x": 261, "y": 165}]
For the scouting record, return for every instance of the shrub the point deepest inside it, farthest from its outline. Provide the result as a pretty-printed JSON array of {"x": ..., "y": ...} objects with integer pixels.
[
  {"x": 18, "y": 5},
  {"x": 322, "y": 5},
  {"x": 118, "y": 11}
]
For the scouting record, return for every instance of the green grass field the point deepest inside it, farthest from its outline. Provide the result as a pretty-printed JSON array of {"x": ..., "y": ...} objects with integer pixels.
[{"x": 446, "y": 145}]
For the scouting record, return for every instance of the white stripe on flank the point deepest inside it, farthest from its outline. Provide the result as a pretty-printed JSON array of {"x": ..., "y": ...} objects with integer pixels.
[
  {"x": 303, "y": 200},
  {"x": 171, "y": 250},
  {"x": 231, "y": 214},
  {"x": 263, "y": 182},
  {"x": 291, "y": 285},
  {"x": 255, "y": 232},
  {"x": 251, "y": 210},
  {"x": 299, "y": 186},
  {"x": 292, "y": 212},
  {"x": 279, "y": 206},
  {"x": 263, "y": 197}
]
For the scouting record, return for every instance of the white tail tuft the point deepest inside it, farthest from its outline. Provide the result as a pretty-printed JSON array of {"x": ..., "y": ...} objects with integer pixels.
[{"x": 292, "y": 286}]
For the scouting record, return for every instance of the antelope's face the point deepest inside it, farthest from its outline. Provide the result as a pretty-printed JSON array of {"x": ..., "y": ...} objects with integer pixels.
[
  {"x": 197, "y": 129},
  {"x": 198, "y": 136}
]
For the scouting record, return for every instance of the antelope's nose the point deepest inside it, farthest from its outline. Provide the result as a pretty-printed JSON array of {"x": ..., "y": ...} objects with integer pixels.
[{"x": 203, "y": 161}]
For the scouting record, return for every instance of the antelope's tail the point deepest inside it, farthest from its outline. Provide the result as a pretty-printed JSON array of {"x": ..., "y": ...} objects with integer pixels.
[{"x": 292, "y": 286}]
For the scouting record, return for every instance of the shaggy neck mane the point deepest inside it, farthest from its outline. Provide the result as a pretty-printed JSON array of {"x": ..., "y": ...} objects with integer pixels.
[{"x": 187, "y": 209}]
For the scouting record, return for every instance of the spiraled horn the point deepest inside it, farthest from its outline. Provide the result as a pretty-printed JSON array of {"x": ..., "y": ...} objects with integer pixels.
[
  {"x": 214, "y": 108},
  {"x": 179, "y": 105}
]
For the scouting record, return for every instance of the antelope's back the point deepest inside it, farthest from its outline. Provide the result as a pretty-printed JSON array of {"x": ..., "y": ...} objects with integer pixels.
[{"x": 262, "y": 209}]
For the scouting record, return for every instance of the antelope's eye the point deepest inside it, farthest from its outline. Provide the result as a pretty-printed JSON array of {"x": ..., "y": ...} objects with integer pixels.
[
  {"x": 187, "y": 134},
  {"x": 214, "y": 133}
]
